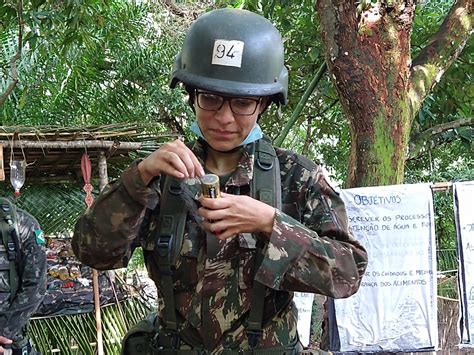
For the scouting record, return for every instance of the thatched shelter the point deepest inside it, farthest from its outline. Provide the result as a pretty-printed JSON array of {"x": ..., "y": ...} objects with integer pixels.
[{"x": 53, "y": 192}]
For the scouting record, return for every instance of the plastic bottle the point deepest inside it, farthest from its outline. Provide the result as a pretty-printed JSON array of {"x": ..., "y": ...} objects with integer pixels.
[{"x": 17, "y": 175}]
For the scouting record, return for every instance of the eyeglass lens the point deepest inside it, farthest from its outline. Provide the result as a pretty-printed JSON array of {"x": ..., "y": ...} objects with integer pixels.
[{"x": 238, "y": 105}]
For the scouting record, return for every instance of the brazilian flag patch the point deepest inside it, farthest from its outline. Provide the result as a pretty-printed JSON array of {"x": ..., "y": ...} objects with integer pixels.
[{"x": 39, "y": 237}]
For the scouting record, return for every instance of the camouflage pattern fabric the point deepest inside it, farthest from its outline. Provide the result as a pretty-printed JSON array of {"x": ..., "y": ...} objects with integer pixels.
[
  {"x": 310, "y": 250},
  {"x": 32, "y": 285}
]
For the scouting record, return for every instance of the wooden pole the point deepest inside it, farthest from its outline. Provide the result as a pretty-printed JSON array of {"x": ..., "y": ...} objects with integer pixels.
[
  {"x": 98, "y": 318},
  {"x": 103, "y": 175},
  {"x": 103, "y": 179},
  {"x": 2, "y": 171},
  {"x": 72, "y": 144}
]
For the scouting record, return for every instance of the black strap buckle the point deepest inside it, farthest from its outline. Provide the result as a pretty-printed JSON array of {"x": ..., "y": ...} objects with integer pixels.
[
  {"x": 163, "y": 245},
  {"x": 165, "y": 239},
  {"x": 253, "y": 337},
  {"x": 169, "y": 340},
  {"x": 175, "y": 189},
  {"x": 11, "y": 251},
  {"x": 175, "y": 339}
]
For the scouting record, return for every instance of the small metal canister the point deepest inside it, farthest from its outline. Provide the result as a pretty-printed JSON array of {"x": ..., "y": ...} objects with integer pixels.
[{"x": 210, "y": 186}]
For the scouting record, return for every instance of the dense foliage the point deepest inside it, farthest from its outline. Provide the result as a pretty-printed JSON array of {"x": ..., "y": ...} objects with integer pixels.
[{"x": 98, "y": 62}]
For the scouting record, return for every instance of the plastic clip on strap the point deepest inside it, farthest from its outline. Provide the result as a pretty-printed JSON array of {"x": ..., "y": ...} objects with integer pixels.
[
  {"x": 11, "y": 251},
  {"x": 165, "y": 239}
]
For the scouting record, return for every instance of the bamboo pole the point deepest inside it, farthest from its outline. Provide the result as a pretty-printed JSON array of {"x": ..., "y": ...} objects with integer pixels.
[
  {"x": 98, "y": 318},
  {"x": 441, "y": 186},
  {"x": 72, "y": 144},
  {"x": 103, "y": 179}
]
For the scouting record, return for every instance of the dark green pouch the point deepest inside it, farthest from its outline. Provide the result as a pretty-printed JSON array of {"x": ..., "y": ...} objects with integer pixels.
[{"x": 141, "y": 337}]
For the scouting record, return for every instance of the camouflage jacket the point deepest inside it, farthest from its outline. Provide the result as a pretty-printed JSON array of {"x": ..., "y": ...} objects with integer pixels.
[
  {"x": 310, "y": 250},
  {"x": 32, "y": 279}
]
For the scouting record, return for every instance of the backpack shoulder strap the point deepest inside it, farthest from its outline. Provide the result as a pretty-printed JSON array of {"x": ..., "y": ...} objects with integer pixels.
[
  {"x": 266, "y": 187},
  {"x": 166, "y": 243},
  {"x": 11, "y": 243},
  {"x": 266, "y": 182}
]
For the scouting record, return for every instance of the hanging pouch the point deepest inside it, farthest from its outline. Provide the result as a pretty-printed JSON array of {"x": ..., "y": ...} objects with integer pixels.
[{"x": 141, "y": 338}]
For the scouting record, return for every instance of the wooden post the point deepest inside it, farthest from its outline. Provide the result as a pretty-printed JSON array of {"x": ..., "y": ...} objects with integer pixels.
[
  {"x": 103, "y": 176},
  {"x": 2, "y": 171},
  {"x": 98, "y": 318},
  {"x": 103, "y": 179}
]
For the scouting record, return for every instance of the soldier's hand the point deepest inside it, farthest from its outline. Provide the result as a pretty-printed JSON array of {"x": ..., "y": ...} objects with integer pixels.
[
  {"x": 172, "y": 158},
  {"x": 4, "y": 341},
  {"x": 233, "y": 214}
]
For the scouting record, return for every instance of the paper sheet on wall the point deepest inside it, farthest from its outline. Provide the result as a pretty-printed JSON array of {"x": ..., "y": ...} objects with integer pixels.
[
  {"x": 304, "y": 303},
  {"x": 463, "y": 196},
  {"x": 395, "y": 308}
]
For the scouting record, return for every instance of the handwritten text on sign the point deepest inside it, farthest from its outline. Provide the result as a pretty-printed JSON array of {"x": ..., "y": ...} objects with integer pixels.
[{"x": 395, "y": 307}]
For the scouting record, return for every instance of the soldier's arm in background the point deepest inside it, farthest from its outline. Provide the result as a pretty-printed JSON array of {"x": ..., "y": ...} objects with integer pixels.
[
  {"x": 106, "y": 235},
  {"x": 314, "y": 251},
  {"x": 32, "y": 284}
]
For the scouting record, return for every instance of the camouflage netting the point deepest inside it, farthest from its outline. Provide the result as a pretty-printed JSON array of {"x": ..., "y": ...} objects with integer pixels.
[
  {"x": 69, "y": 289},
  {"x": 55, "y": 206}
]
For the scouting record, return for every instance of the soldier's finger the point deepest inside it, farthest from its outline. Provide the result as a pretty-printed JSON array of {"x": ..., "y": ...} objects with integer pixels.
[
  {"x": 198, "y": 169},
  {"x": 217, "y": 227},
  {"x": 5, "y": 340},
  {"x": 212, "y": 203},
  {"x": 211, "y": 214},
  {"x": 176, "y": 166},
  {"x": 189, "y": 160},
  {"x": 224, "y": 234}
]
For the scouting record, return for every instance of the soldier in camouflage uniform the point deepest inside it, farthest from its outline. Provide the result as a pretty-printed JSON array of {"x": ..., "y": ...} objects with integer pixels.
[
  {"x": 231, "y": 65},
  {"x": 16, "y": 311}
]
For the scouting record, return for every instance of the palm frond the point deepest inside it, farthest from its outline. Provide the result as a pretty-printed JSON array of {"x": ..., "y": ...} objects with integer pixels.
[{"x": 76, "y": 333}]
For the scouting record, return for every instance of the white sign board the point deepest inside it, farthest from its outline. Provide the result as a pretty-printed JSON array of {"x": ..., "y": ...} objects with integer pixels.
[
  {"x": 304, "y": 303},
  {"x": 464, "y": 211},
  {"x": 395, "y": 308}
]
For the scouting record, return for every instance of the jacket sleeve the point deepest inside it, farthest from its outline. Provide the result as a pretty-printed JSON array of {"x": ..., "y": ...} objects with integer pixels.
[
  {"x": 106, "y": 234},
  {"x": 317, "y": 253},
  {"x": 32, "y": 276}
]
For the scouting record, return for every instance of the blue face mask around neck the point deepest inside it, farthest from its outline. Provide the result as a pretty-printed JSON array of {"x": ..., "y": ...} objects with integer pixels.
[{"x": 254, "y": 135}]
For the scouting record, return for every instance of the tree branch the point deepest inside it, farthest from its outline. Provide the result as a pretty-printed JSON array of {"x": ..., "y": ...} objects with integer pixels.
[
  {"x": 15, "y": 58},
  {"x": 421, "y": 141},
  {"x": 14, "y": 81},
  {"x": 443, "y": 48},
  {"x": 299, "y": 107}
]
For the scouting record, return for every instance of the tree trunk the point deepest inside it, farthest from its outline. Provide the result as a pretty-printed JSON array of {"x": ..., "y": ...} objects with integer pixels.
[{"x": 368, "y": 55}]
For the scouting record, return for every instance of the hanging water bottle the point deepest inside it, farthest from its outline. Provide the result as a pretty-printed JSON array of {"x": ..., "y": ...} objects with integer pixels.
[{"x": 17, "y": 175}]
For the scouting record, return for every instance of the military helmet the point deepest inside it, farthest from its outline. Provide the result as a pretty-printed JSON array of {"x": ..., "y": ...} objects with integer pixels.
[{"x": 234, "y": 52}]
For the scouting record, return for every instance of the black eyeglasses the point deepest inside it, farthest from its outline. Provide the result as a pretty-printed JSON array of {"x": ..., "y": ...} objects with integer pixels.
[{"x": 243, "y": 106}]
